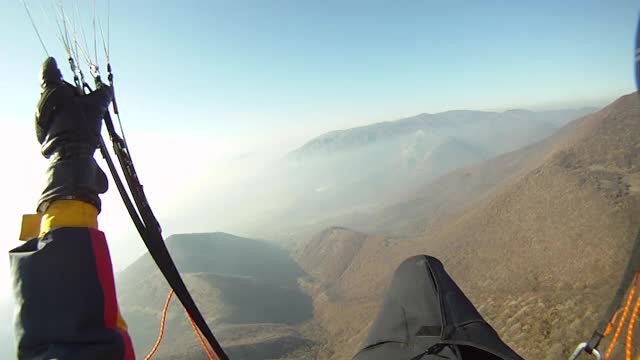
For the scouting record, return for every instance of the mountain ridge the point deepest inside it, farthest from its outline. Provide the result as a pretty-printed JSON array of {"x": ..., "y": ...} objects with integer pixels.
[
  {"x": 385, "y": 129},
  {"x": 525, "y": 253}
]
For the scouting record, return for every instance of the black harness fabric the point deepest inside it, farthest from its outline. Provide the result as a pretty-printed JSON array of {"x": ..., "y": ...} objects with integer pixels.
[
  {"x": 425, "y": 315},
  {"x": 66, "y": 298}
]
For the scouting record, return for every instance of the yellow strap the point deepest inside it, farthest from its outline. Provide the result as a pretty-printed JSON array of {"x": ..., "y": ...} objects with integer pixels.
[
  {"x": 61, "y": 213},
  {"x": 30, "y": 226},
  {"x": 120, "y": 323}
]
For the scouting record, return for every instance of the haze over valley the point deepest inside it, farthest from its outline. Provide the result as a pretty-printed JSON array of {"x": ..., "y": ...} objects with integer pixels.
[
  {"x": 503, "y": 209},
  {"x": 296, "y": 152}
]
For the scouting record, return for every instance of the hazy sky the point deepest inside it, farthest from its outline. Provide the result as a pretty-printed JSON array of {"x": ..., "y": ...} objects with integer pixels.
[
  {"x": 202, "y": 82},
  {"x": 245, "y": 67}
]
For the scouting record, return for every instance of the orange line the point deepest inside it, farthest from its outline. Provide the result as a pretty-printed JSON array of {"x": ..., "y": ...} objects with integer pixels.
[
  {"x": 212, "y": 356},
  {"x": 162, "y": 323},
  {"x": 204, "y": 345},
  {"x": 611, "y": 324},
  {"x": 634, "y": 316},
  {"x": 627, "y": 306}
]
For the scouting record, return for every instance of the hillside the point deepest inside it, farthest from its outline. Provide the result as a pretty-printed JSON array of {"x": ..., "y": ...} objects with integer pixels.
[
  {"x": 367, "y": 166},
  {"x": 479, "y": 126},
  {"x": 420, "y": 204},
  {"x": 364, "y": 168},
  {"x": 330, "y": 252},
  {"x": 226, "y": 275},
  {"x": 539, "y": 249},
  {"x": 538, "y": 240},
  {"x": 506, "y": 229}
]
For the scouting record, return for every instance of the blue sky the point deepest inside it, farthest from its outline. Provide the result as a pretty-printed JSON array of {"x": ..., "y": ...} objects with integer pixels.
[
  {"x": 246, "y": 67},
  {"x": 199, "y": 82}
]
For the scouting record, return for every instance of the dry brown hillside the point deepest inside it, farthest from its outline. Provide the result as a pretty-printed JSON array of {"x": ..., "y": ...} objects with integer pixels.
[
  {"x": 550, "y": 247},
  {"x": 540, "y": 255},
  {"x": 330, "y": 252},
  {"x": 418, "y": 206}
]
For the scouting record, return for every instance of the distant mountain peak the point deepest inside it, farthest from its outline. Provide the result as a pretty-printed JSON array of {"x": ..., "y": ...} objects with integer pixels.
[
  {"x": 445, "y": 123},
  {"x": 338, "y": 229},
  {"x": 518, "y": 111}
]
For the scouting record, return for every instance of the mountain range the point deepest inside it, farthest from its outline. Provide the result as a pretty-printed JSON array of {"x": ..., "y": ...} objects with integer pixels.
[
  {"x": 358, "y": 169},
  {"x": 538, "y": 249},
  {"x": 532, "y": 214}
]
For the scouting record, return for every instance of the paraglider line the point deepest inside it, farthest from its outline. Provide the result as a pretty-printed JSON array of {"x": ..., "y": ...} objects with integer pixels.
[{"x": 35, "y": 28}]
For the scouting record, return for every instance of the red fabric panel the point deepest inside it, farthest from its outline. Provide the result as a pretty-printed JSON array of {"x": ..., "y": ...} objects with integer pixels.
[{"x": 104, "y": 269}]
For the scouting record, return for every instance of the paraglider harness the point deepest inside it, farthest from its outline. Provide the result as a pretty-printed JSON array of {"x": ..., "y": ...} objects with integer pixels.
[{"x": 139, "y": 210}]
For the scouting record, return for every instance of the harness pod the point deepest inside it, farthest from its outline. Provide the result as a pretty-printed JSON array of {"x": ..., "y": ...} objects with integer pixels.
[{"x": 425, "y": 315}]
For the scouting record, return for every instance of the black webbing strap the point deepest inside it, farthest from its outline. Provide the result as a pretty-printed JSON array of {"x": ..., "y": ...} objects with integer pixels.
[{"x": 149, "y": 230}]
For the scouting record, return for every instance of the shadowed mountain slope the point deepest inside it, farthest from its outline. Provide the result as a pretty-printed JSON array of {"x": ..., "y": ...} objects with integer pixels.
[{"x": 246, "y": 289}]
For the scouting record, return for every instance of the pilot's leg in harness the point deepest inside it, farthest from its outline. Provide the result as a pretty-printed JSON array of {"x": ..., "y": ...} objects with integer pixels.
[{"x": 425, "y": 315}]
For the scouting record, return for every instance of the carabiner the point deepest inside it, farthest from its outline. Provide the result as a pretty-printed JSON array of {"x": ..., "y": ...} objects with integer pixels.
[
  {"x": 95, "y": 71},
  {"x": 583, "y": 347}
]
